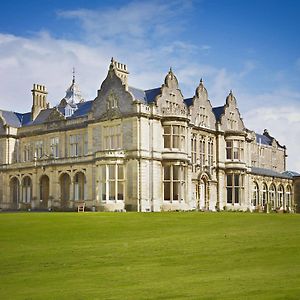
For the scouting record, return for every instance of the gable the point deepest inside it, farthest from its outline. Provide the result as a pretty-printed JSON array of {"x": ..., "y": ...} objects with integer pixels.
[
  {"x": 113, "y": 100},
  {"x": 170, "y": 101},
  {"x": 201, "y": 109},
  {"x": 231, "y": 119}
]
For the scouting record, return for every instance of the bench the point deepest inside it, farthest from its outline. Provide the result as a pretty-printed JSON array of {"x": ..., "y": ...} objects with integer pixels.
[{"x": 80, "y": 207}]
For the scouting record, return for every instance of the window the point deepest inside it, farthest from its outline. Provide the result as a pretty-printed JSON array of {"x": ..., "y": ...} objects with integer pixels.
[
  {"x": 272, "y": 195},
  {"x": 280, "y": 196},
  {"x": 85, "y": 145},
  {"x": 203, "y": 118},
  {"x": 79, "y": 186},
  {"x": 112, "y": 137},
  {"x": 234, "y": 188},
  {"x": 112, "y": 182},
  {"x": 26, "y": 152},
  {"x": 38, "y": 152},
  {"x": 194, "y": 151},
  {"x": 264, "y": 194},
  {"x": 26, "y": 189},
  {"x": 234, "y": 150},
  {"x": 255, "y": 194},
  {"x": 210, "y": 152},
  {"x": 202, "y": 150},
  {"x": 174, "y": 136},
  {"x": 54, "y": 146},
  {"x": 75, "y": 145},
  {"x": 288, "y": 197},
  {"x": 174, "y": 182},
  {"x": 232, "y": 123}
]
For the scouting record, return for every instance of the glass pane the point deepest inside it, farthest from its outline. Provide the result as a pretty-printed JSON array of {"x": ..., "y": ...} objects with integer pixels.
[
  {"x": 103, "y": 173},
  {"x": 176, "y": 170},
  {"x": 111, "y": 170},
  {"x": 112, "y": 192},
  {"x": 167, "y": 175},
  {"x": 175, "y": 129},
  {"x": 120, "y": 172},
  {"x": 228, "y": 153},
  {"x": 229, "y": 195},
  {"x": 176, "y": 190},
  {"x": 236, "y": 195},
  {"x": 120, "y": 190},
  {"x": 103, "y": 191},
  {"x": 236, "y": 180},
  {"x": 167, "y": 129},
  {"x": 176, "y": 143},
  {"x": 167, "y": 191},
  {"x": 229, "y": 180},
  {"x": 167, "y": 141}
]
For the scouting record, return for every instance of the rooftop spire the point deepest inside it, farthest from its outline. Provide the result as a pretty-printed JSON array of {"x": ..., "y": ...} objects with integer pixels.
[{"x": 73, "y": 72}]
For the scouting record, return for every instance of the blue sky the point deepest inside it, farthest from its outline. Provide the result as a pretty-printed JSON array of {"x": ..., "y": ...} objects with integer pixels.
[{"x": 251, "y": 47}]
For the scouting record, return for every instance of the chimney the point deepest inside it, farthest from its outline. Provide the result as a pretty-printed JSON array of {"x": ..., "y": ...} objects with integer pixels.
[
  {"x": 121, "y": 71},
  {"x": 39, "y": 100}
]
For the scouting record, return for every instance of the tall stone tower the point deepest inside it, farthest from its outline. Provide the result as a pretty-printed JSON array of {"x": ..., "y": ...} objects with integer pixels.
[{"x": 39, "y": 100}]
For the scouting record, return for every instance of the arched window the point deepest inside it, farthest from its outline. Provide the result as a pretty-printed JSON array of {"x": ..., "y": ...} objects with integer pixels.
[
  {"x": 255, "y": 194},
  {"x": 65, "y": 184},
  {"x": 26, "y": 189},
  {"x": 14, "y": 191},
  {"x": 280, "y": 196},
  {"x": 264, "y": 194},
  {"x": 288, "y": 197},
  {"x": 79, "y": 186},
  {"x": 272, "y": 194}
]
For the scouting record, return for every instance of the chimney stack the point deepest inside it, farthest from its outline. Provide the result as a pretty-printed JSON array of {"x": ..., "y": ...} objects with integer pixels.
[{"x": 39, "y": 100}]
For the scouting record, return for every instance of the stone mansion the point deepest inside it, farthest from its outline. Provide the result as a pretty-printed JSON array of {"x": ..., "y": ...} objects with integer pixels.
[{"x": 139, "y": 150}]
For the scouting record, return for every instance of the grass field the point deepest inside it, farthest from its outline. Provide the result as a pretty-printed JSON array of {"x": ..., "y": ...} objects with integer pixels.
[{"x": 149, "y": 256}]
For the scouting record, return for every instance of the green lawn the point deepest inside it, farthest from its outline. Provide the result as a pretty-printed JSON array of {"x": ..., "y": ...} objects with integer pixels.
[{"x": 149, "y": 256}]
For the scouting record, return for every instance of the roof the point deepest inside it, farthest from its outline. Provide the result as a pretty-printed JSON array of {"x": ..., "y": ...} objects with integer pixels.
[
  {"x": 83, "y": 108},
  {"x": 10, "y": 118},
  {"x": 218, "y": 111},
  {"x": 151, "y": 94},
  {"x": 271, "y": 173},
  {"x": 24, "y": 118},
  {"x": 188, "y": 101},
  {"x": 262, "y": 139},
  {"x": 291, "y": 173},
  {"x": 42, "y": 116}
]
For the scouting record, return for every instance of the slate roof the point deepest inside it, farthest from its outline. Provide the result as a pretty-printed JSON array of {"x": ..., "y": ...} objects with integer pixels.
[
  {"x": 188, "y": 101},
  {"x": 271, "y": 173},
  {"x": 291, "y": 173},
  {"x": 10, "y": 118},
  {"x": 151, "y": 94},
  {"x": 218, "y": 111},
  {"x": 83, "y": 108},
  {"x": 24, "y": 118},
  {"x": 262, "y": 139},
  {"x": 42, "y": 116}
]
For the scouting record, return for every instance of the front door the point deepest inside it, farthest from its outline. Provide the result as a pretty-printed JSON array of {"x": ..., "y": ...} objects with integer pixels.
[{"x": 44, "y": 191}]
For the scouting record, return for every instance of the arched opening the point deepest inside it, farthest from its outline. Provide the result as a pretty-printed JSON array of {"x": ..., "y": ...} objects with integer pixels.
[
  {"x": 65, "y": 185},
  {"x": 255, "y": 194},
  {"x": 26, "y": 189},
  {"x": 272, "y": 194},
  {"x": 202, "y": 200},
  {"x": 264, "y": 194},
  {"x": 14, "y": 187},
  {"x": 280, "y": 196},
  {"x": 79, "y": 186},
  {"x": 288, "y": 197},
  {"x": 44, "y": 191}
]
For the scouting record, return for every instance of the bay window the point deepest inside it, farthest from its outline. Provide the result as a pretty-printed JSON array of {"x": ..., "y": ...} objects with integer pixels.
[
  {"x": 235, "y": 187},
  {"x": 174, "y": 182},
  {"x": 174, "y": 136},
  {"x": 112, "y": 182},
  {"x": 234, "y": 150}
]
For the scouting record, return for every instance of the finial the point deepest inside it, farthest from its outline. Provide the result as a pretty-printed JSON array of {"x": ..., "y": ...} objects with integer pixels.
[
  {"x": 73, "y": 71},
  {"x": 112, "y": 59},
  {"x": 201, "y": 81},
  {"x": 230, "y": 92},
  {"x": 171, "y": 71}
]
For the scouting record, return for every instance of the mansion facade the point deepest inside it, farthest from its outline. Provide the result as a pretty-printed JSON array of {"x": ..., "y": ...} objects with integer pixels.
[{"x": 139, "y": 150}]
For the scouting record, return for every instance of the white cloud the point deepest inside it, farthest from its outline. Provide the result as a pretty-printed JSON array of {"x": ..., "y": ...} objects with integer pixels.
[{"x": 145, "y": 37}]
